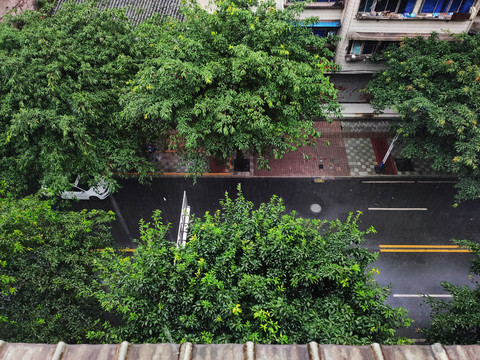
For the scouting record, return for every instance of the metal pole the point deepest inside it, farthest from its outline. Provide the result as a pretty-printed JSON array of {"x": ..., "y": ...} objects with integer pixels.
[{"x": 388, "y": 153}]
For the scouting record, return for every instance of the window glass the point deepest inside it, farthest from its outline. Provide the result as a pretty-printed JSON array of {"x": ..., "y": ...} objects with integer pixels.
[
  {"x": 406, "y": 6},
  {"x": 318, "y": 0},
  {"x": 455, "y": 5},
  {"x": 324, "y": 32},
  {"x": 465, "y": 7},
  {"x": 395, "y": 6},
  {"x": 365, "y": 5},
  {"x": 81, "y": 187},
  {"x": 381, "y": 5},
  {"x": 429, "y": 6},
  {"x": 446, "y": 6},
  {"x": 369, "y": 47},
  {"x": 356, "y": 48}
]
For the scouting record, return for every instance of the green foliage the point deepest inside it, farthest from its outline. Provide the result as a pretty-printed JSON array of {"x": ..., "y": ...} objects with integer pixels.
[
  {"x": 60, "y": 77},
  {"x": 81, "y": 91},
  {"x": 434, "y": 86},
  {"x": 248, "y": 274},
  {"x": 244, "y": 77},
  {"x": 46, "y": 261},
  {"x": 457, "y": 321}
]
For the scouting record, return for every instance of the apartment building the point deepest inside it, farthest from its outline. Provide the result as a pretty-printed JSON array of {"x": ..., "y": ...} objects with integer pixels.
[
  {"x": 365, "y": 27},
  {"x": 368, "y": 26}
]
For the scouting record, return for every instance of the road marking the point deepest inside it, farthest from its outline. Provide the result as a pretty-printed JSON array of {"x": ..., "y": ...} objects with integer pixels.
[
  {"x": 419, "y": 246},
  {"x": 388, "y": 182},
  {"x": 116, "y": 250},
  {"x": 120, "y": 217},
  {"x": 397, "y": 209},
  {"x": 423, "y": 248},
  {"x": 422, "y": 295},
  {"x": 437, "y": 182}
]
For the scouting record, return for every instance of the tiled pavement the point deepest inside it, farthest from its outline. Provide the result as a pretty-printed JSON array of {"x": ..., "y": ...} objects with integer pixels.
[
  {"x": 168, "y": 162},
  {"x": 361, "y": 157},
  {"x": 344, "y": 150}
]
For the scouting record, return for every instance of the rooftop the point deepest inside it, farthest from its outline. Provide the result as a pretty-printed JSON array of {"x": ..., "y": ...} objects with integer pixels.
[
  {"x": 247, "y": 351},
  {"x": 140, "y": 10}
]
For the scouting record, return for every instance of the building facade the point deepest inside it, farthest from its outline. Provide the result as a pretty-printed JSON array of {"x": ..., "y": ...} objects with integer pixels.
[{"x": 366, "y": 27}]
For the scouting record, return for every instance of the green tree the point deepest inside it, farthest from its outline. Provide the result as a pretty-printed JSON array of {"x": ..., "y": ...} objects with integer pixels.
[
  {"x": 60, "y": 77},
  {"x": 245, "y": 77},
  {"x": 249, "y": 274},
  {"x": 457, "y": 321},
  {"x": 46, "y": 260},
  {"x": 434, "y": 87}
]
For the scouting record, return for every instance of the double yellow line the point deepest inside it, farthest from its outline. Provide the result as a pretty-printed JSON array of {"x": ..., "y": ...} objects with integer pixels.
[{"x": 423, "y": 248}]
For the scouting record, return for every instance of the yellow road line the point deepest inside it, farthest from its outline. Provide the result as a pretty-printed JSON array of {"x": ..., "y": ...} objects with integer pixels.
[
  {"x": 425, "y": 250},
  {"x": 419, "y": 246}
]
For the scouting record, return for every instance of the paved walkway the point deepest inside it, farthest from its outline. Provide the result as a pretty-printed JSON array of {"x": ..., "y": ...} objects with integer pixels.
[{"x": 346, "y": 149}]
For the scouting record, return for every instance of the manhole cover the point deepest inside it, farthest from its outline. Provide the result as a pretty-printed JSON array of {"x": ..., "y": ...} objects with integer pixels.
[{"x": 315, "y": 208}]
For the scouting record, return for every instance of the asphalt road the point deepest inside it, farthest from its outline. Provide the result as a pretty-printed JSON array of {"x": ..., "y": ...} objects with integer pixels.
[{"x": 414, "y": 220}]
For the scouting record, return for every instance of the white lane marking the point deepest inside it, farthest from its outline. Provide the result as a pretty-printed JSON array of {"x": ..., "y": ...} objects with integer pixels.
[
  {"x": 397, "y": 209},
  {"x": 388, "y": 182},
  {"x": 422, "y": 295},
  {"x": 436, "y": 182}
]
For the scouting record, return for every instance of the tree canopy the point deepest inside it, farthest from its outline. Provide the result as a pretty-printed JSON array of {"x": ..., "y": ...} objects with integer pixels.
[
  {"x": 434, "y": 87},
  {"x": 248, "y": 274},
  {"x": 46, "y": 262},
  {"x": 60, "y": 78},
  {"x": 82, "y": 91},
  {"x": 244, "y": 76},
  {"x": 458, "y": 321}
]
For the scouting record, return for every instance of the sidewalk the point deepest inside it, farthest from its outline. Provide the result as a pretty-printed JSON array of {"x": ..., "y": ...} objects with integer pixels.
[{"x": 346, "y": 149}]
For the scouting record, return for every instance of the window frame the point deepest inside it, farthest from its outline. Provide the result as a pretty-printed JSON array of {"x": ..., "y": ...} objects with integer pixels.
[
  {"x": 446, "y": 9},
  {"x": 353, "y": 55},
  {"x": 366, "y": 8}
]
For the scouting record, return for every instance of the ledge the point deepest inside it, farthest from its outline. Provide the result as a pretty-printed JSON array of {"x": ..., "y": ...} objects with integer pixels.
[
  {"x": 338, "y": 5},
  {"x": 413, "y": 16},
  {"x": 355, "y": 58},
  {"x": 387, "y": 36}
]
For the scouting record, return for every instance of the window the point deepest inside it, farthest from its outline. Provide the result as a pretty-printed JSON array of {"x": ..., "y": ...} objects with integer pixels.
[
  {"x": 325, "y": 28},
  {"x": 321, "y": 1},
  {"x": 446, "y": 6},
  {"x": 394, "y": 6},
  {"x": 324, "y": 32},
  {"x": 361, "y": 50},
  {"x": 368, "y": 47}
]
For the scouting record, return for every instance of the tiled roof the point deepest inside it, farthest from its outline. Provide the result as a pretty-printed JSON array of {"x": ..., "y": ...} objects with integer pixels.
[
  {"x": 140, "y": 10},
  {"x": 247, "y": 351}
]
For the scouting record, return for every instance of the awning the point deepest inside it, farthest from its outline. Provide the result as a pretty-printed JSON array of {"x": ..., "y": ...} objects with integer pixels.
[
  {"x": 326, "y": 24},
  {"x": 375, "y": 36}
]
